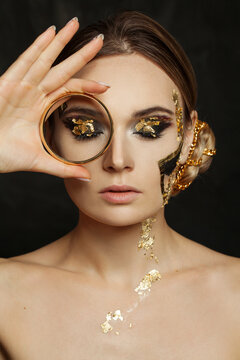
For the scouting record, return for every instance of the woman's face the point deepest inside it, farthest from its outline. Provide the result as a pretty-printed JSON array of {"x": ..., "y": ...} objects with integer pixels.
[{"x": 137, "y": 84}]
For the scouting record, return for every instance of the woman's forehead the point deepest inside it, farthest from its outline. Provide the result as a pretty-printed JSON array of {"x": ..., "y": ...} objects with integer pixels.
[{"x": 133, "y": 78}]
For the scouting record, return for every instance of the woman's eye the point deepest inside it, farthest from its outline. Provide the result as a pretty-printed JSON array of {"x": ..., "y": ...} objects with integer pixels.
[
  {"x": 83, "y": 128},
  {"x": 152, "y": 127}
]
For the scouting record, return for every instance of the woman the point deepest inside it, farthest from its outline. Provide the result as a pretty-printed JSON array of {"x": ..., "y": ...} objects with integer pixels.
[{"x": 75, "y": 298}]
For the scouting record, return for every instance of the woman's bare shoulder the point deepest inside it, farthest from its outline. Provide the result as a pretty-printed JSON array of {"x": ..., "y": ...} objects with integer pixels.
[
  {"x": 49, "y": 255},
  {"x": 223, "y": 288},
  {"x": 28, "y": 267},
  {"x": 229, "y": 274},
  {"x": 216, "y": 276},
  {"x": 201, "y": 256},
  {"x": 16, "y": 278},
  {"x": 222, "y": 275},
  {"x": 221, "y": 271},
  {"x": 9, "y": 269},
  {"x": 23, "y": 271},
  {"x": 227, "y": 280},
  {"x": 12, "y": 275}
]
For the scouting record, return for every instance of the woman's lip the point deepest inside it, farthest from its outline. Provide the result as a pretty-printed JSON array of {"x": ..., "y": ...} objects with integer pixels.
[
  {"x": 121, "y": 197},
  {"x": 119, "y": 188}
]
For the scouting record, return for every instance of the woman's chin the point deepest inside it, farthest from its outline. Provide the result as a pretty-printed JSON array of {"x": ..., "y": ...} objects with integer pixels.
[{"x": 120, "y": 217}]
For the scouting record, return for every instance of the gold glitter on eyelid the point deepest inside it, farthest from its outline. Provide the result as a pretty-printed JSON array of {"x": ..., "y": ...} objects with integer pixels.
[
  {"x": 83, "y": 127},
  {"x": 146, "y": 125}
]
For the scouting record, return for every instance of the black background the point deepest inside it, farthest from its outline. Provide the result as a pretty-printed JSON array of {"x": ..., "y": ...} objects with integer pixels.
[{"x": 35, "y": 208}]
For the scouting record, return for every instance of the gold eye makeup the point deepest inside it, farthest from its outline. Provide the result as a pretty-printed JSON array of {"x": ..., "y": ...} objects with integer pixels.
[
  {"x": 152, "y": 127},
  {"x": 83, "y": 128},
  {"x": 80, "y": 129}
]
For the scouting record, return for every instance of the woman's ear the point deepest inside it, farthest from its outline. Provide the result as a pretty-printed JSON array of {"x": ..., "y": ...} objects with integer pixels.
[{"x": 188, "y": 137}]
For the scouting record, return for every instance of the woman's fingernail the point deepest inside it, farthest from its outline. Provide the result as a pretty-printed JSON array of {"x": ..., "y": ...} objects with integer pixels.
[
  {"x": 52, "y": 27},
  {"x": 99, "y": 36},
  {"x": 83, "y": 179},
  {"x": 103, "y": 83},
  {"x": 73, "y": 19}
]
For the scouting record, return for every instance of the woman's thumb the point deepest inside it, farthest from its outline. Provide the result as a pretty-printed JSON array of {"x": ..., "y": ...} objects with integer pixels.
[{"x": 49, "y": 165}]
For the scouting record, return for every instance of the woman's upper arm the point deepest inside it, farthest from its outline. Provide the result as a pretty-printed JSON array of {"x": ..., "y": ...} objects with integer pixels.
[{"x": 2, "y": 260}]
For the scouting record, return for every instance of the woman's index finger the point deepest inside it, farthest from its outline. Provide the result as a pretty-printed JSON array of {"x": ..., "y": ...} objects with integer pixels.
[
  {"x": 23, "y": 63},
  {"x": 63, "y": 71},
  {"x": 44, "y": 62}
]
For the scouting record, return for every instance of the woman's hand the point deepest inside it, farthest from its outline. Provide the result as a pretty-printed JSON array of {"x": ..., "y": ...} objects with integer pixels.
[{"x": 27, "y": 88}]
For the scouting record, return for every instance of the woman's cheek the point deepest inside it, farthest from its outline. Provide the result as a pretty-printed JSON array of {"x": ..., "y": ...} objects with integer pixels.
[{"x": 75, "y": 189}]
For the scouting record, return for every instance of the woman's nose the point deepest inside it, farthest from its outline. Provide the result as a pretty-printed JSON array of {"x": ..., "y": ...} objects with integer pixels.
[{"x": 118, "y": 156}]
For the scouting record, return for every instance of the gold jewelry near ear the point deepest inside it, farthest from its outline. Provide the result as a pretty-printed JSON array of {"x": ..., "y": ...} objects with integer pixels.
[
  {"x": 146, "y": 241},
  {"x": 200, "y": 125},
  {"x": 174, "y": 156},
  {"x": 179, "y": 114},
  {"x": 209, "y": 152},
  {"x": 144, "y": 287},
  {"x": 168, "y": 191},
  {"x": 192, "y": 162}
]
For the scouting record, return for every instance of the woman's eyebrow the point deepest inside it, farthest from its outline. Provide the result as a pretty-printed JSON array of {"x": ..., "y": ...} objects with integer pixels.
[
  {"x": 136, "y": 114},
  {"x": 85, "y": 111},
  {"x": 150, "y": 110}
]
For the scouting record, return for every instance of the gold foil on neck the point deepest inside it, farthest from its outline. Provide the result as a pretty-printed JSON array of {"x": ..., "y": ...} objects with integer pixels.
[{"x": 146, "y": 241}]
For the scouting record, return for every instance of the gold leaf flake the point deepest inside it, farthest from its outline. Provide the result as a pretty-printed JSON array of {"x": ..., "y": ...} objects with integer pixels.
[{"x": 106, "y": 327}]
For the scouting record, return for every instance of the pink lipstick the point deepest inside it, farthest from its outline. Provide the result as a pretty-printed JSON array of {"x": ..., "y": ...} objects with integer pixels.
[{"x": 119, "y": 194}]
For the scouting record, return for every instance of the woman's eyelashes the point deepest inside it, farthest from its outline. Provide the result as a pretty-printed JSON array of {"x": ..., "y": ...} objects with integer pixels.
[
  {"x": 83, "y": 127},
  {"x": 152, "y": 127}
]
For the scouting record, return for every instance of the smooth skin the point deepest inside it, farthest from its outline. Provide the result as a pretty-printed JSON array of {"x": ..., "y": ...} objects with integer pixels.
[{"x": 54, "y": 299}]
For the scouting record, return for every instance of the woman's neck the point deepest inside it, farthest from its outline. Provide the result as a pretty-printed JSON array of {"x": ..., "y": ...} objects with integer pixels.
[{"x": 110, "y": 253}]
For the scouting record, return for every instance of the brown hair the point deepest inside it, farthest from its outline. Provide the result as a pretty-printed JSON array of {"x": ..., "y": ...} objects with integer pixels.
[{"x": 128, "y": 32}]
